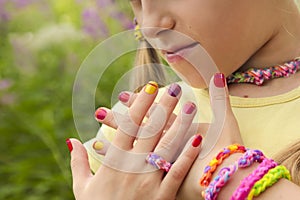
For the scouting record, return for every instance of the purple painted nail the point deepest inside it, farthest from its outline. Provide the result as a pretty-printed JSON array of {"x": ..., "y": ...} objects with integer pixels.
[
  {"x": 124, "y": 97},
  {"x": 174, "y": 90},
  {"x": 189, "y": 108}
]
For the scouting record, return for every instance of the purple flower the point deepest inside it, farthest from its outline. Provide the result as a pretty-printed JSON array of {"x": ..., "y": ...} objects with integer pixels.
[
  {"x": 5, "y": 84},
  {"x": 93, "y": 24},
  {"x": 22, "y": 3},
  {"x": 104, "y": 3},
  {"x": 124, "y": 20}
]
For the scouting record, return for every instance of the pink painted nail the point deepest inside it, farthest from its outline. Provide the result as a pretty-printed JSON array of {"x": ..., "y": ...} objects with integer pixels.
[
  {"x": 197, "y": 140},
  {"x": 189, "y": 108},
  {"x": 219, "y": 80},
  {"x": 69, "y": 144},
  {"x": 124, "y": 97},
  {"x": 100, "y": 114}
]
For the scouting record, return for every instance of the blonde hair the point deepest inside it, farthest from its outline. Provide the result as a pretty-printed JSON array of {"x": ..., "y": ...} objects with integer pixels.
[
  {"x": 147, "y": 56},
  {"x": 290, "y": 158},
  {"x": 149, "y": 63}
]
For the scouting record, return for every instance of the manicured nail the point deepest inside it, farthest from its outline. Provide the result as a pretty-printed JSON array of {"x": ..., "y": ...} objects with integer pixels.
[
  {"x": 189, "y": 108},
  {"x": 124, "y": 97},
  {"x": 151, "y": 87},
  {"x": 69, "y": 144},
  {"x": 100, "y": 114},
  {"x": 98, "y": 145},
  {"x": 219, "y": 80},
  {"x": 197, "y": 140},
  {"x": 174, "y": 90}
]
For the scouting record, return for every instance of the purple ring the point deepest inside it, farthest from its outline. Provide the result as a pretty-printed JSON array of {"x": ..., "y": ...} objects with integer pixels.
[{"x": 158, "y": 162}]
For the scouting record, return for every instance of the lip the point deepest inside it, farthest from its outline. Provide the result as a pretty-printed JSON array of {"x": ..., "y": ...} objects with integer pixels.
[{"x": 178, "y": 54}]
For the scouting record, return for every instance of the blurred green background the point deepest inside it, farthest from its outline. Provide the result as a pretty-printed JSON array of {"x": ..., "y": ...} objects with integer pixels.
[{"x": 42, "y": 44}]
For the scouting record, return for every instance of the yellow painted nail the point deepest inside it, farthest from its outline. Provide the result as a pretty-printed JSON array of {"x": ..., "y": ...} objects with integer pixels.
[
  {"x": 151, "y": 87},
  {"x": 98, "y": 145}
]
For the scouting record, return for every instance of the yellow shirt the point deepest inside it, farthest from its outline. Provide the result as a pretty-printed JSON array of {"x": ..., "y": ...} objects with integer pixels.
[{"x": 269, "y": 124}]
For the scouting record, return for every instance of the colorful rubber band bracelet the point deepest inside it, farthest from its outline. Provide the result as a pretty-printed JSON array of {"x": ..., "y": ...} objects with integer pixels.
[
  {"x": 248, "y": 158},
  {"x": 269, "y": 179},
  {"x": 247, "y": 183},
  {"x": 214, "y": 163}
]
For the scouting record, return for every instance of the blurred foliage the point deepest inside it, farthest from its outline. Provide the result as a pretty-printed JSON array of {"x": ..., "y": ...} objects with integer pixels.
[{"x": 42, "y": 44}]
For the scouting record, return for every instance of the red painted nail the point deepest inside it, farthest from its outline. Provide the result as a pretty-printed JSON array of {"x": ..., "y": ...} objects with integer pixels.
[
  {"x": 197, "y": 140},
  {"x": 69, "y": 144},
  {"x": 124, "y": 97},
  {"x": 189, "y": 108},
  {"x": 100, "y": 114},
  {"x": 219, "y": 80}
]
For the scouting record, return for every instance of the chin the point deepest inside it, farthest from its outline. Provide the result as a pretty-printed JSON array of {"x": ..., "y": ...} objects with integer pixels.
[{"x": 191, "y": 76}]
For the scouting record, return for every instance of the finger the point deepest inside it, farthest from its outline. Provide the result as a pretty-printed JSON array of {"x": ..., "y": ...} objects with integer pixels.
[
  {"x": 219, "y": 96},
  {"x": 106, "y": 116},
  {"x": 223, "y": 114},
  {"x": 101, "y": 146},
  {"x": 173, "y": 180},
  {"x": 221, "y": 108},
  {"x": 170, "y": 143},
  {"x": 136, "y": 114},
  {"x": 80, "y": 167},
  {"x": 158, "y": 119},
  {"x": 127, "y": 98}
]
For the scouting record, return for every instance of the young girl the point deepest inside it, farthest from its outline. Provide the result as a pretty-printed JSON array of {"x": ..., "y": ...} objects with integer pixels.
[{"x": 239, "y": 36}]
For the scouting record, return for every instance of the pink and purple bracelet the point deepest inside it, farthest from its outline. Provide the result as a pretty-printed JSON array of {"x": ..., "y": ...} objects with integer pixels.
[
  {"x": 247, "y": 183},
  {"x": 248, "y": 158}
]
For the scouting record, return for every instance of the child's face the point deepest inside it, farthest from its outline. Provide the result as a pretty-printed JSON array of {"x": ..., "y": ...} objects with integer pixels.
[{"x": 230, "y": 30}]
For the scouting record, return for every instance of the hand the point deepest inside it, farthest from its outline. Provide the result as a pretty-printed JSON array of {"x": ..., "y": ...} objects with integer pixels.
[
  {"x": 124, "y": 173},
  {"x": 112, "y": 117},
  {"x": 222, "y": 132}
]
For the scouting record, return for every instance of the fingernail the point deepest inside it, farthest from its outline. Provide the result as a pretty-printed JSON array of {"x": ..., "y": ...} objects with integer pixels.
[
  {"x": 100, "y": 114},
  {"x": 69, "y": 144},
  {"x": 98, "y": 145},
  {"x": 189, "y": 108},
  {"x": 219, "y": 80},
  {"x": 174, "y": 90},
  {"x": 197, "y": 140},
  {"x": 151, "y": 87},
  {"x": 124, "y": 97}
]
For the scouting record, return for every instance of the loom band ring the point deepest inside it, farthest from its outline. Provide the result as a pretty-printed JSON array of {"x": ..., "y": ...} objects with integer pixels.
[
  {"x": 152, "y": 127},
  {"x": 129, "y": 161},
  {"x": 158, "y": 162}
]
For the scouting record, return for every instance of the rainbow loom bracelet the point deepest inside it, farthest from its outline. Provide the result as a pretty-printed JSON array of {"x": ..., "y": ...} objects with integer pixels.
[
  {"x": 247, "y": 183},
  {"x": 214, "y": 163},
  {"x": 268, "y": 180},
  {"x": 225, "y": 173}
]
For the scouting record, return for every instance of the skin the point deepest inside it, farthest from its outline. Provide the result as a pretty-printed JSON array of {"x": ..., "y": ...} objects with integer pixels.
[{"x": 264, "y": 35}]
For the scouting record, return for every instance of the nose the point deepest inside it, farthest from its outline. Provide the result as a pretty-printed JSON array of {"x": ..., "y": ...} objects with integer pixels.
[{"x": 155, "y": 19}]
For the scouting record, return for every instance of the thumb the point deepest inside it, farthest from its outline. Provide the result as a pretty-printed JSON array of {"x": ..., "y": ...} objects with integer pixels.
[
  {"x": 220, "y": 106},
  {"x": 219, "y": 96},
  {"x": 80, "y": 167}
]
